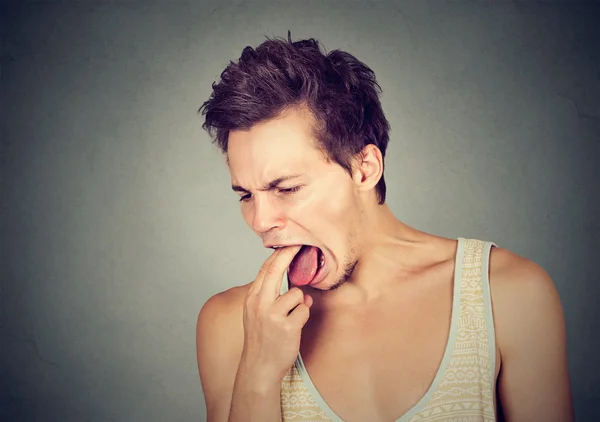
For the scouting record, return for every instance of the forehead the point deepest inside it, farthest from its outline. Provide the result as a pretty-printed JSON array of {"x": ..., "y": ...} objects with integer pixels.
[{"x": 284, "y": 144}]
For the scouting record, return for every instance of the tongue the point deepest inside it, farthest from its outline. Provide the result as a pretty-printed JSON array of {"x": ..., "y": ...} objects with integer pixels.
[{"x": 304, "y": 266}]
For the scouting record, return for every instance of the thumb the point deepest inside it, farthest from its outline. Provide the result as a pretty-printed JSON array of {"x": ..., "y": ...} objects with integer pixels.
[{"x": 308, "y": 300}]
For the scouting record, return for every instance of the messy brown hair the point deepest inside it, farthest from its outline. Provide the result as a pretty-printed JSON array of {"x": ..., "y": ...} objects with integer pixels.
[{"x": 340, "y": 91}]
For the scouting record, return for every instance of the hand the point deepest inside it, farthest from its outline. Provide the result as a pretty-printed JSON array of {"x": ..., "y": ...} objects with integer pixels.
[{"x": 273, "y": 322}]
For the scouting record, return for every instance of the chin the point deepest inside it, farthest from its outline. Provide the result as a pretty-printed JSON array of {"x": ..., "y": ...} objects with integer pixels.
[{"x": 329, "y": 283}]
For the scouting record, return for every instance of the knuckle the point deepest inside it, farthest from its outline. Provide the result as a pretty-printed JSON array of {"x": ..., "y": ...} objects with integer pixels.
[
  {"x": 250, "y": 312},
  {"x": 273, "y": 318},
  {"x": 251, "y": 297},
  {"x": 255, "y": 305},
  {"x": 259, "y": 305},
  {"x": 304, "y": 313},
  {"x": 302, "y": 309},
  {"x": 271, "y": 271},
  {"x": 296, "y": 293},
  {"x": 290, "y": 328}
]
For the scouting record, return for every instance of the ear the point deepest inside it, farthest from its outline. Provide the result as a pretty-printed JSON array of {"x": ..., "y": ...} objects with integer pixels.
[{"x": 368, "y": 168}]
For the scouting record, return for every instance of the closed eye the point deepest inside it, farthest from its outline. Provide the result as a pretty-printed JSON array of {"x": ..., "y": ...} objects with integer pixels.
[
  {"x": 285, "y": 191},
  {"x": 290, "y": 190}
]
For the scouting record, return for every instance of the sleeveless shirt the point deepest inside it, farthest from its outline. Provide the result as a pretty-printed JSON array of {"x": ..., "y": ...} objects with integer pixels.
[{"x": 463, "y": 388}]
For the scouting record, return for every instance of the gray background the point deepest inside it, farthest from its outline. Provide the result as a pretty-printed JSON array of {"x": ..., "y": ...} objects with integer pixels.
[{"x": 118, "y": 222}]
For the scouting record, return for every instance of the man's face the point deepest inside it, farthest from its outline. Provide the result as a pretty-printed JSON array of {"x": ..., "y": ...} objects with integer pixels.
[{"x": 313, "y": 203}]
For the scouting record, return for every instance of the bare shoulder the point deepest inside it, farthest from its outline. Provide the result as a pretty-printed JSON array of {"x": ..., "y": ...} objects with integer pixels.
[
  {"x": 223, "y": 308},
  {"x": 534, "y": 381},
  {"x": 525, "y": 301},
  {"x": 220, "y": 321},
  {"x": 219, "y": 343}
]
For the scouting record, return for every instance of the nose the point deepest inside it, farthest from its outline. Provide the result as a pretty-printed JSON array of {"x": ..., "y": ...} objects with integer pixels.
[{"x": 267, "y": 215}]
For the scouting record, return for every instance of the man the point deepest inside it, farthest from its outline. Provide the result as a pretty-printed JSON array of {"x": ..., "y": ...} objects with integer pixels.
[{"x": 356, "y": 316}]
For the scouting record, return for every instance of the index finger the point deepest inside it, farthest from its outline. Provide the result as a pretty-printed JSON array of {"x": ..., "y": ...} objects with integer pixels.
[
  {"x": 256, "y": 285},
  {"x": 273, "y": 278}
]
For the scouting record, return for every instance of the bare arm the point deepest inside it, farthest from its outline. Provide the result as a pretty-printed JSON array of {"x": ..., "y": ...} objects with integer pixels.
[
  {"x": 219, "y": 340},
  {"x": 231, "y": 391},
  {"x": 533, "y": 383},
  {"x": 254, "y": 401}
]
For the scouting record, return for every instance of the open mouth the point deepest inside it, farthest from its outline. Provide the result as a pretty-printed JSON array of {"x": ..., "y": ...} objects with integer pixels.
[{"x": 307, "y": 265}]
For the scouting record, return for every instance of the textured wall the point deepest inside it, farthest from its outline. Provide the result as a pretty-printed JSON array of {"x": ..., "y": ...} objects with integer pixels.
[{"x": 117, "y": 218}]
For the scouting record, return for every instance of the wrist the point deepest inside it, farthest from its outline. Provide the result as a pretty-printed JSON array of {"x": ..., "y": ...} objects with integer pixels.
[{"x": 257, "y": 380}]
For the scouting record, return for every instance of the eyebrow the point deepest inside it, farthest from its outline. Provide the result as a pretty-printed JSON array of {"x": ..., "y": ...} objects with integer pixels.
[{"x": 270, "y": 185}]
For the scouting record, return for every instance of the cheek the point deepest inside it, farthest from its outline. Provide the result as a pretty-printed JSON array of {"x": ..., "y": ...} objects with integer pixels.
[
  {"x": 338, "y": 200},
  {"x": 339, "y": 203},
  {"x": 331, "y": 207}
]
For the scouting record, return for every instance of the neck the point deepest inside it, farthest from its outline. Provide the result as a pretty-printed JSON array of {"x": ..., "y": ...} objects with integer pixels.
[{"x": 388, "y": 250}]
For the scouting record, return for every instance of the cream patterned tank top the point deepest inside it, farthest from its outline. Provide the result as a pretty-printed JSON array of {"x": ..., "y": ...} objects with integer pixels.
[{"x": 463, "y": 388}]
